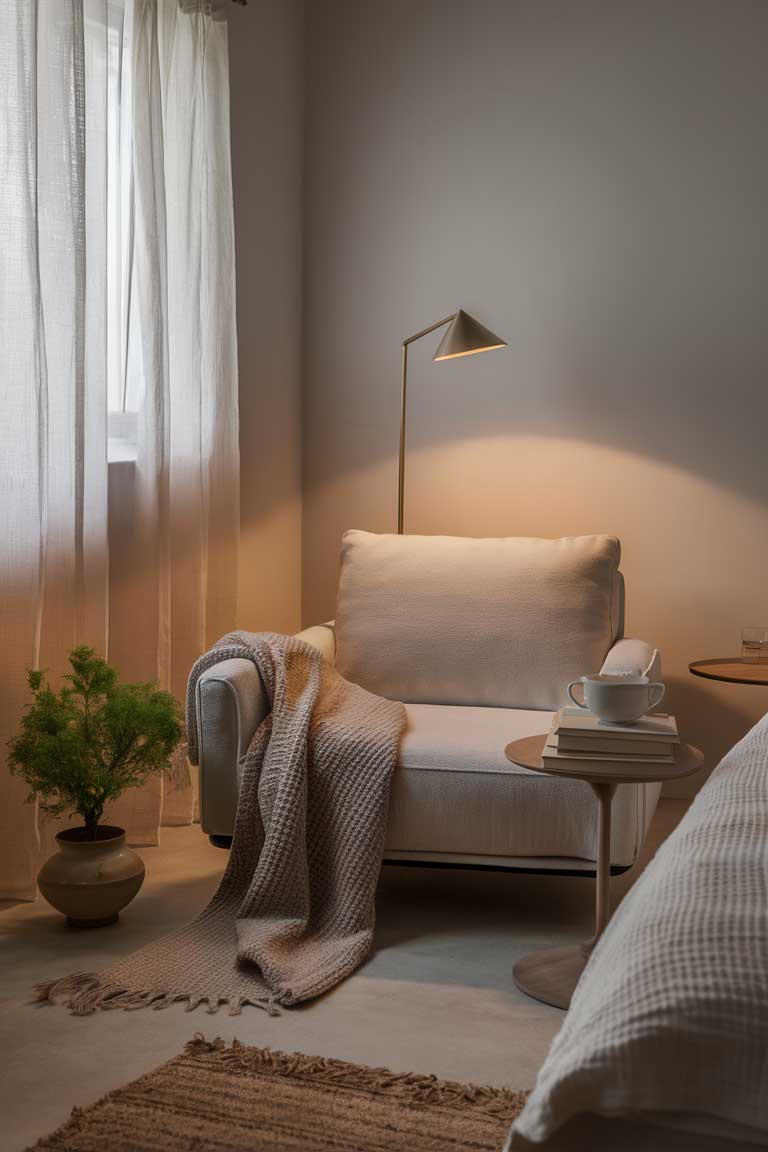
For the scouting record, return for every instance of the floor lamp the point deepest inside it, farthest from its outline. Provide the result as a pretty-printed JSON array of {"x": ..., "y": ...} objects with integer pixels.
[{"x": 464, "y": 337}]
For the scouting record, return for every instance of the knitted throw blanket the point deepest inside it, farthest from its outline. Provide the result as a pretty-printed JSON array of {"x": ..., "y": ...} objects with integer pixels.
[{"x": 294, "y": 912}]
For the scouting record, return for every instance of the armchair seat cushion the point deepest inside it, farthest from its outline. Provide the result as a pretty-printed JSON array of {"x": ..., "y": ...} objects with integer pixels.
[{"x": 452, "y": 761}]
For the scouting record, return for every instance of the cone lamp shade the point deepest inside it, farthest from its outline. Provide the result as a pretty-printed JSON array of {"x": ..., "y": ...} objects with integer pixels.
[{"x": 465, "y": 336}]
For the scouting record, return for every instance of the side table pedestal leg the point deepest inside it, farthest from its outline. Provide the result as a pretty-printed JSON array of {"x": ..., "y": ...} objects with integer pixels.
[{"x": 552, "y": 974}]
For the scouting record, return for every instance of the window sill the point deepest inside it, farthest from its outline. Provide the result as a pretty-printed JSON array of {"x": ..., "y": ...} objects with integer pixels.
[
  {"x": 120, "y": 451},
  {"x": 122, "y": 437}
]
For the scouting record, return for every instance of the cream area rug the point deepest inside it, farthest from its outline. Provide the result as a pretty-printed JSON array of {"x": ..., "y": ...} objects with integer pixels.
[{"x": 233, "y": 1099}]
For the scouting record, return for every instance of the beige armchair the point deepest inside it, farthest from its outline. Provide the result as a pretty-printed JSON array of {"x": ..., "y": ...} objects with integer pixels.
[{"x": 479, "y": 638}]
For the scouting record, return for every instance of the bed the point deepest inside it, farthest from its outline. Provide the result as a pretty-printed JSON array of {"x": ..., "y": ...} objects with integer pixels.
[{"x": 665, "y": 1045}]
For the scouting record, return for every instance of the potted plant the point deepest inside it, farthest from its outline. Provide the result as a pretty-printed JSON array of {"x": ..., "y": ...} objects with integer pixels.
[{"x": 78, "y": 749}]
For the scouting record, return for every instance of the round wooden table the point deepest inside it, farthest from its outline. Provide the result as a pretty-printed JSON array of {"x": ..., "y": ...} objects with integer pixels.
[
  {"x": 730, "y": 669},
  {"x": 552, "y": 974}
]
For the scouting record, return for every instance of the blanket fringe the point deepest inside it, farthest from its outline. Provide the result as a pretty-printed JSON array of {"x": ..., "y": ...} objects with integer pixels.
[
  {"x": 84, "y": 993},
  {"x": 409, "y": 1085}
]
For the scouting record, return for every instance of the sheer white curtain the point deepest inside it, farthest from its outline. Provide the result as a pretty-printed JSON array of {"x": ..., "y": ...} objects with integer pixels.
[
  {"x": 53, "y": 467},
  {"x": 155, "y": 268},
  {"x": 181, "y": 343}
]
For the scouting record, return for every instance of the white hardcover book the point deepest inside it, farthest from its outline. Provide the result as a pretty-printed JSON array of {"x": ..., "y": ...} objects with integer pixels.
[
  {"x": 552, "y": 752},
  {"x": 566, "y": 743},
  {"x": 578, "y": 722}
]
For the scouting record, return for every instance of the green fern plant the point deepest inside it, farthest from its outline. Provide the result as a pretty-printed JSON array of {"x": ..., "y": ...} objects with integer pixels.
[{"x": 83, "y": 746}]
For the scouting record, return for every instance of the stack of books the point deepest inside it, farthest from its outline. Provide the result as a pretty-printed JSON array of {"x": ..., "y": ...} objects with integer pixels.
[{"x": 577, "y": 736}]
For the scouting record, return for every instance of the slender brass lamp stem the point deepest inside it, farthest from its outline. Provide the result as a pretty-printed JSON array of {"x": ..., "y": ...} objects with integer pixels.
[
  {"x": 403, "y": 398},
  {"x": 401, "y": 473}
]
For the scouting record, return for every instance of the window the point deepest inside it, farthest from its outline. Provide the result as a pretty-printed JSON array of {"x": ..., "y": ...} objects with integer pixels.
[{"x": 108, "y": 53}]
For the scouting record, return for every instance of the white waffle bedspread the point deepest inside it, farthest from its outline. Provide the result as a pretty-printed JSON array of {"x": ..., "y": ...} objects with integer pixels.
[{"x": 671, "y": 1013}]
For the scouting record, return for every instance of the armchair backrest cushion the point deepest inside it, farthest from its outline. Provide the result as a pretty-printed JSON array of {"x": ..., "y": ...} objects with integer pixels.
[{"x": 505, "y": 623}]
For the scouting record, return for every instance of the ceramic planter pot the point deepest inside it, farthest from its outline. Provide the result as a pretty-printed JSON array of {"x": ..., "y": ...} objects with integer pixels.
[{"x": 90, "y": 881}]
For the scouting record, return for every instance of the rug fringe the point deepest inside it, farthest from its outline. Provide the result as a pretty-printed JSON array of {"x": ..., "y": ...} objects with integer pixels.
[
  {"x": 411, "y": 1085},
  {"x": 84, "y": 993}
]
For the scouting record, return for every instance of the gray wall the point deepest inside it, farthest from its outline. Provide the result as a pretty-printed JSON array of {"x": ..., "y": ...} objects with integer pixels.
[
  {"x": 589, "y": 178},
  {"x": 266, "y": 83}
]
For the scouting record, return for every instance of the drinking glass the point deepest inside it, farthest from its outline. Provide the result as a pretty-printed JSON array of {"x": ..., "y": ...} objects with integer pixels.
[{"x": 754, "y": 645}]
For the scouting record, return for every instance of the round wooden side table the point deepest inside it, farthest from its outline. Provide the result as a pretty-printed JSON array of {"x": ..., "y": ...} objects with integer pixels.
[
  {"x": 552, "y": 974},
  {"x": 731, "y": 670}
]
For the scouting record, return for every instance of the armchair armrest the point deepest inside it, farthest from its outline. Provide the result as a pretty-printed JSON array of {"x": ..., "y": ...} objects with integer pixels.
[
  {"x": 231, "y": 703},
  {"x": 633, "y": 656},
  {"x": 322, "y": 637}
]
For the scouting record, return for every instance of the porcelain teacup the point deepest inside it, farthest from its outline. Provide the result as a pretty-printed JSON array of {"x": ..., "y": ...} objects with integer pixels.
[{"x": 617, "y": 699}]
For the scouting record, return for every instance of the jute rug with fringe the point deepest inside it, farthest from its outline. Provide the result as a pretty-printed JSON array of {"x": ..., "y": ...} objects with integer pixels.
[{"x": 233, "y": 1099}]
